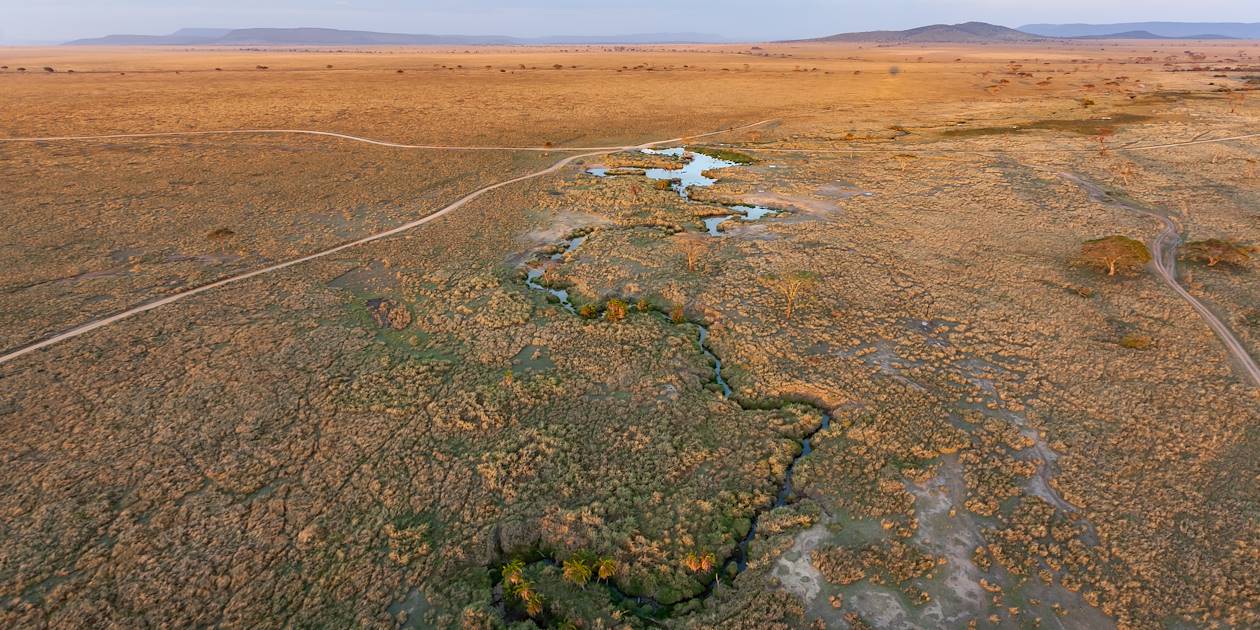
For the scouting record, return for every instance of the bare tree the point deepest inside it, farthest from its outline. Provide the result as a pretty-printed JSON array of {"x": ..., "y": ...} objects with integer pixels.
[
  {"x": 1103, "y": 134},
  {"x": 1127, "y": 171},
  {"x": 693, "y": 247},
  {"x": 792, "y": 286}
]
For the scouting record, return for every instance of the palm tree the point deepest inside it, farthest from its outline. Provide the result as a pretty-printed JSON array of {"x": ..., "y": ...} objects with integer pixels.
[
  {"x": 606, "y": 568},
  {"x": 707, "y": 561},
  {"x": 692, "y": 561},
  {"x": 534, "y": 605},
  {"x": 513, "y": 572},
  {"x": 576, "y": 572}
]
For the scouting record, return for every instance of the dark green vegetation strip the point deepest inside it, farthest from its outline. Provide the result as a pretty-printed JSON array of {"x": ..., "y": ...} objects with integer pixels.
[
  {"x": 1082, "y": 126},
  {"x": 729, "y": 155}
]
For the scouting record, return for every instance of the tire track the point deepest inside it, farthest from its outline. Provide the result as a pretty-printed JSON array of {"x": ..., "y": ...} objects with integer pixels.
[
  {"x": 148, "y": 306},
  {"x": 1164, "y": 264}
]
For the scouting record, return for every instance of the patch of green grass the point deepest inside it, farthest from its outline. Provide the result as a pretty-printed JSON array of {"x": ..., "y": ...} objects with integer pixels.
[
  {"x": 1082, "y": 126},
  {"x": 729, "y": 155}
]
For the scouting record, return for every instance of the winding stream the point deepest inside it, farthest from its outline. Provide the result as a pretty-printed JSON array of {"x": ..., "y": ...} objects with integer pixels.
[
  {"x": 692, "y": 174},
  {"x": 533, "y": 274}
]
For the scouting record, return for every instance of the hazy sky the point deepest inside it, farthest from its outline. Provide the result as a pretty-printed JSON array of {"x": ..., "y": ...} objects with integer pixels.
[{"x": 57, "y": 20}]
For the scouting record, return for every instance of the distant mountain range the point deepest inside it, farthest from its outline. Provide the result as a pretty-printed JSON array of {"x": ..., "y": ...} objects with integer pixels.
[
  {"x": 336, "y": 37},
  {"x": 1171, "y": 30},
  {"x": 980, "y": 32},
  {"x": 970, "y": 32},
  {"x": 1144, "y": 35}
]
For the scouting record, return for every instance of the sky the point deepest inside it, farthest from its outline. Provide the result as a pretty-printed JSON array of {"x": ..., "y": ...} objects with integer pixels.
[{"x": 44, "y": 21}]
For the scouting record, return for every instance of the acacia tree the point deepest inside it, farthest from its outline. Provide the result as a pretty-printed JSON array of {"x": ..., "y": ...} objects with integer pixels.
[
  {"x": 693, "y": 248},
  {"x": 1114, "y": 254},
  {"x": 1214, "y": 251},
  {"x": 791, "y": 286},
  {"x": 1101, "y": 136}
]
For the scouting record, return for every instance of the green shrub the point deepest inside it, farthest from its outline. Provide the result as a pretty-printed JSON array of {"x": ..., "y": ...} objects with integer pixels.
[
  {"x": 729, "y": 155},
  {"x": 616, "y": 310},
  {"x": 1135, "y": 342}
]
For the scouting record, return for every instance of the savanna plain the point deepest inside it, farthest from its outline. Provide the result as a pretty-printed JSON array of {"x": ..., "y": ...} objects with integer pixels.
[{"x": 905, "y": 336}]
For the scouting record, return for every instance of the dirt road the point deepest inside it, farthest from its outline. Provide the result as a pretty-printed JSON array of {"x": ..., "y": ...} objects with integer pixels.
[
  {"x": 306, "y": 132},
  {"x": 148, "y": 306},
  {"x": 1164, "y": 264}
]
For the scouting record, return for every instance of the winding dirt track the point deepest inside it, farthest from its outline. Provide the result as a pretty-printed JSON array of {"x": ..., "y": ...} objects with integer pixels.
[
  {"x": 148, "y": 306},
  {"x": 1164, "y": 264},
  {"x": 306, "y": 132},
  {"x": 913, "y": 149},
  {"x": 438, "y": 147}
]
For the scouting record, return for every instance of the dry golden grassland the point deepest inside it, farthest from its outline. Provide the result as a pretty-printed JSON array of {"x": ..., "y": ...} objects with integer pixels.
[{"x": 1001, "y": 435}]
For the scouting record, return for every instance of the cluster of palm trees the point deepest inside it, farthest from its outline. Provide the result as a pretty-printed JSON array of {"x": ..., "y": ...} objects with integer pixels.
[
  {"x": 515, "y": 583},
  {"x": 700, "y": 563},
  {"x": 578, "y": 570}
]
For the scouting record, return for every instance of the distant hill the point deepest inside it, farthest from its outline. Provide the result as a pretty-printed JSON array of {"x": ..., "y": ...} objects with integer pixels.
[
  {"x": 1171, "y": 30},
  {"x": 336, "y": 37},
  {"x": 969, "y": 32},
  {"x": 1145, "y": 35}
]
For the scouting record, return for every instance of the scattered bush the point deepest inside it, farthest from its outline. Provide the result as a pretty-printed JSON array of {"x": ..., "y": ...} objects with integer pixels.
[
  {"x": 1135, "y": 342},
  {"x": 677, "y": 314},
  {"x": 1251, "y": 318},
  {"x": 616, "y": 310},
  {"x": 589, "y": 311},
  {"x": 389, "y": 314}
]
